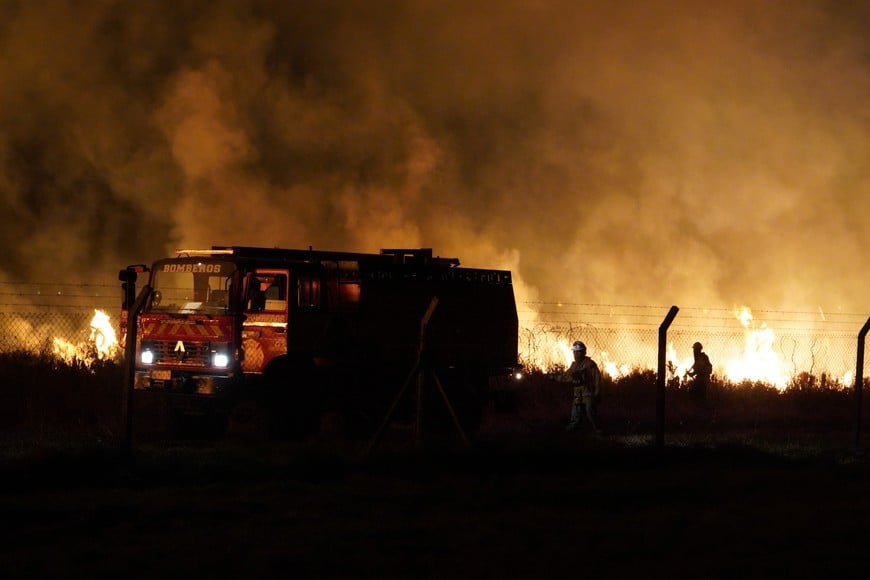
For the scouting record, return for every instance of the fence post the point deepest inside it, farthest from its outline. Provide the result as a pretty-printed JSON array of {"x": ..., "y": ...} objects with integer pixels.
[
  {"x": 660, "y": 379},
  {"x": 859, "y": 380},
  {"x": 130, "y": 370}
]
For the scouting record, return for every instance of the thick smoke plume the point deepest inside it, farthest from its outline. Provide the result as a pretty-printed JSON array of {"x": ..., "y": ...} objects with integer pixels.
[{"x": 672, "y": 152}]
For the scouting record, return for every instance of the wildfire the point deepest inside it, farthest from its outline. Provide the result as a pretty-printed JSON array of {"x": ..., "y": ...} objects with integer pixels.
[
  {"x": 556, "y": 354},
  {"x": 758, "y": 362},
  {"x": 757, "y": 359},
  {"x": 678, "y": 368},
  {"x": 611, "y": 368},
  {"x": 102, "y": 342},
  {"x": 549, "y": 353}
]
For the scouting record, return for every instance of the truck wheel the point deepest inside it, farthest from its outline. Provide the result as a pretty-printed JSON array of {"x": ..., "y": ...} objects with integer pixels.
[{"x": 290, "y": 401}]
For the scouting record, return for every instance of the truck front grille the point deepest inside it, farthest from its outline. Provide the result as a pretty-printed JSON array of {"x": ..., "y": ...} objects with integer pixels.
[{"x": 181, "y": 352}]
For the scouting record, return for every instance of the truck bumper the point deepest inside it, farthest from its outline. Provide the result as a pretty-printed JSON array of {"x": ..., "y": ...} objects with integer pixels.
[{"x": 185, "y": 383}]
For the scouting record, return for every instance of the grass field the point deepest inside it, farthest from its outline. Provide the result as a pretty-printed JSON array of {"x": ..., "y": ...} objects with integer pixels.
[{"x": 767, "y": 485}]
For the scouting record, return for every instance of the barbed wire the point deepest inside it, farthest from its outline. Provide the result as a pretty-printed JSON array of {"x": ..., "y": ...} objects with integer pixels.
[
  {"x": 11, "y": 293},
  {"x": 34, "y": 314}
]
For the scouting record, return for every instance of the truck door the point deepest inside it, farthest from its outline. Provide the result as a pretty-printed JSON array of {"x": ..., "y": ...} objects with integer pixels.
[
  {"x": 308, "y": 312},
  {"x": 264, "y": 330}
]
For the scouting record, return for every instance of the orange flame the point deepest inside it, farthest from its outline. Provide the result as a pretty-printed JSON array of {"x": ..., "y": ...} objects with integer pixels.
[
  {"x": 680, "y": 368},
  {"x": 759, "y": 362},
  {"x": 556, "y": 355},
  {"x": 102, "y": 342}
]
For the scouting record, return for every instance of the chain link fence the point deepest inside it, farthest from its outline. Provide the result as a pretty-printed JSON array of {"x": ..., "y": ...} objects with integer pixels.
[
  {"x": 34, "y": 317},
  {"x": 770, "y": 347},
  {"x": 767, "y": 346},
  {"x": 750, "y": 351}
]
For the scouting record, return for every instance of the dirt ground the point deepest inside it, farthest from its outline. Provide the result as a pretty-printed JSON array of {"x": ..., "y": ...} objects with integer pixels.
[{"x": 521, "y": 507}]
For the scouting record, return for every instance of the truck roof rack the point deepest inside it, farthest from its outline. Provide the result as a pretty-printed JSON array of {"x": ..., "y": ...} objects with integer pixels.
[
  {"x": 211, "y": 252},
  {"x": 421, "y": 256},
  {"x": 418, "y": 256},
  {"x": 408, "y": 252}
]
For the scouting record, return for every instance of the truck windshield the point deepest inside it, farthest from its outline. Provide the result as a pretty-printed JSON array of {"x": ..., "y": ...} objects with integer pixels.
[{"x": 188, "y": 286}]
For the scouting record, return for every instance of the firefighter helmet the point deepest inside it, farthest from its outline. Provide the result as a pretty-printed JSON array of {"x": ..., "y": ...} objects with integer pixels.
[
  {"x": 578, "y": 347},
  {"x": 697, "y": 346}
]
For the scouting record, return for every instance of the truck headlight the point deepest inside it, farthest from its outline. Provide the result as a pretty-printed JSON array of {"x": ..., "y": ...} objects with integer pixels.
[
  {"x": 147, "y": 356},
  {"x": 220, "y": 359}
]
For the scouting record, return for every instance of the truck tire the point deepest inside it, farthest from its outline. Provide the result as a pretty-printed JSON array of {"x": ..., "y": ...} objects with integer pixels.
[{"x": 291, "y": 400}]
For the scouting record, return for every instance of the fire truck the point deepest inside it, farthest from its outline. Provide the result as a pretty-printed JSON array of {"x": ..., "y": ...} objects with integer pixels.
[{"x": 304, "y": 332}]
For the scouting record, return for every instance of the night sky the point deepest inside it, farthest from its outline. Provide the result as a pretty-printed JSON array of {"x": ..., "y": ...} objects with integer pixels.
[{"x": 669, "y": 152}]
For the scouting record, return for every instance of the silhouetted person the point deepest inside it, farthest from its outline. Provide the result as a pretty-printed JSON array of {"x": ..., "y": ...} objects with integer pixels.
[
  {"x": 585, "y": 377},
  {"x": 256, "y": 296},
  {"x": 700, "y": 375}
]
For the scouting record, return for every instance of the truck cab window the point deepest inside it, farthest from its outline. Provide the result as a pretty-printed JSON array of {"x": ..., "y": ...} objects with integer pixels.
[
  {"x": 268, "y": 292},
  {"x": 185, "y": 287}
]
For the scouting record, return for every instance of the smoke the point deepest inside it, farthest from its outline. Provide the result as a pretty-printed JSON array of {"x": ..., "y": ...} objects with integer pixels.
[{"x": 672, "y": 152}]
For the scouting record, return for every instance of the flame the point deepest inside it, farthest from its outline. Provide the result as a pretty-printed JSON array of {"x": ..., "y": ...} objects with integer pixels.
[
  {"x": 549, "y": 354},
  {"x": 759, "y": 362},
  {"x": 611, "y": 368},
  {"x": 757, "y": 358},
  {"x": 102, "y": 342},
  {"x": 677, "y": 367},
  {"x": 556, "y": 355}
]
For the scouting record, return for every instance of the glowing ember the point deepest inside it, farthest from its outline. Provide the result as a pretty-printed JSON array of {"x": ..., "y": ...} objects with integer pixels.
[
  {"x": 759, "y": 362},
  {"x": 102, "y": 343}
]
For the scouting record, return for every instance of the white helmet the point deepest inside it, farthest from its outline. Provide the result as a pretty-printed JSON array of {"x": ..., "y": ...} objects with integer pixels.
[{"x": 578, "y": 347}]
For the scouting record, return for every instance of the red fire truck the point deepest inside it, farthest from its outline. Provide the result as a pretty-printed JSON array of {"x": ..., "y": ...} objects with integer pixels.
[{"x": 302, "y": 332}]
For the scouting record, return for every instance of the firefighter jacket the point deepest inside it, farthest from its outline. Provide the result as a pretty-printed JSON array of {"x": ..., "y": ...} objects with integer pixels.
[{"x": 586, "y": 378}]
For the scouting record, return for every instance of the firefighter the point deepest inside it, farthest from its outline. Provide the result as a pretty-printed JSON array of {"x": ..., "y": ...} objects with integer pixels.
[
  {"x": 700, "y": 375},
  {"x": 584, "y": 376}
]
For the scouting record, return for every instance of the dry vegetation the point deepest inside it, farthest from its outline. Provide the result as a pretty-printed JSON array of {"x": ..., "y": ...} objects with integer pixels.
[
  {"x": 807, "y": 408},
  {"x": 45, "y": 401},
  {"x": 741, "y": 491}
]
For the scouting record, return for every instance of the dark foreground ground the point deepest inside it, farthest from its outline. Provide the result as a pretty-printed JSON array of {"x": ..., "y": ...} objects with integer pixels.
[
  {"x": 544, "y": 507},
  {"x": 764, "y": 485}
]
